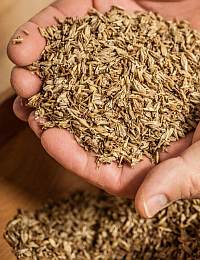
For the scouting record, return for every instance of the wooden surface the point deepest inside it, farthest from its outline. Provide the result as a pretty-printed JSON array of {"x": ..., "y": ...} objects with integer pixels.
[
  {"x": 29, "y": 177},
  {"x": 13, "y": 13}
]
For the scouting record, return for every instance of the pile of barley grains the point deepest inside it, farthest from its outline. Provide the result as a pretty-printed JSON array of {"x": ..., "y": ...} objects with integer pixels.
[
  {"x": 125, "y": 85},
  {"x": 100, "y": 227}
]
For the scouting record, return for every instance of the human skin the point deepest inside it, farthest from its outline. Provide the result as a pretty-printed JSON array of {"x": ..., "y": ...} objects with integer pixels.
[{"x": 152, "y": 187}]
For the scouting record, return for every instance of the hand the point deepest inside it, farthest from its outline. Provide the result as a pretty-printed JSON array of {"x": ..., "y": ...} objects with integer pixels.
[{"x": 144, "y": 179}]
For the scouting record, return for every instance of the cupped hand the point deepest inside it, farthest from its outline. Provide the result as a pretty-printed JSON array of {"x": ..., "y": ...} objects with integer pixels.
[{"x": 178, "y": 174}]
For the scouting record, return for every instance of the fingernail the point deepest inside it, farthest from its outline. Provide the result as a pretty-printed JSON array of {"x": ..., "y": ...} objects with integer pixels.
[{"x": 154, "y": 204}]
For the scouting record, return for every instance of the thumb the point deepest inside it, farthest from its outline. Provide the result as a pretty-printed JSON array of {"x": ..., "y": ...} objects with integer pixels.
[{"x": 174, "y": 179}]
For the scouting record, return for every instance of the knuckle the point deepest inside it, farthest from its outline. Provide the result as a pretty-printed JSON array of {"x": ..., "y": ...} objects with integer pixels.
[
  {"x": 117, "y": 187},
  {"x": 194, "y": 186},
  {"x": 191, "y": 187},
  {"x": 190, "y": 181}
]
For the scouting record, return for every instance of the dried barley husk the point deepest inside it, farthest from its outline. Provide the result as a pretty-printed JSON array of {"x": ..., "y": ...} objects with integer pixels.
[
  {"x": 99, "y": 227},
  {"x": 125, "y": 85}
]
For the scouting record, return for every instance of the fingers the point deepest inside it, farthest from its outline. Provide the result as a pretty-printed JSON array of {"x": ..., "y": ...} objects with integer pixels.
[
  {"x": 132, "y": 178},
  {"x": 20, "y": 110},
  {"x": 30, "y": 49},
  {"x": 104, "y": 6},
  {"x": 71, "y": 8},
  {"x": 24, "y": 82},
  {"x": 171, "y": 180},
  {"x": 184, "y": 10}
]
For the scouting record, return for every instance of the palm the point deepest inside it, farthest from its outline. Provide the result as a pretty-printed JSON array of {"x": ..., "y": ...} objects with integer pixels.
[{"x": 59, "y": 143}]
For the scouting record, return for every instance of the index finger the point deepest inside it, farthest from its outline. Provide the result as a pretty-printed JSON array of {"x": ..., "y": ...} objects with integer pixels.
[{"x": 33, "y": 43}]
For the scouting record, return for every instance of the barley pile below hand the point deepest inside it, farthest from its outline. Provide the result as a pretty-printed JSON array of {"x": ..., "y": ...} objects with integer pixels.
[{"x": 89, "y": 226}]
